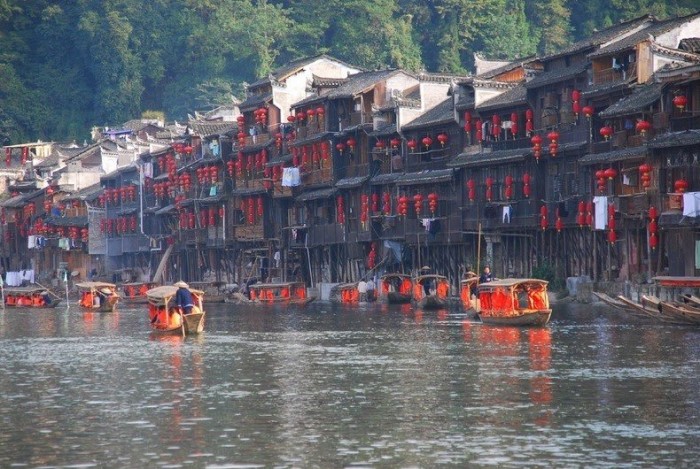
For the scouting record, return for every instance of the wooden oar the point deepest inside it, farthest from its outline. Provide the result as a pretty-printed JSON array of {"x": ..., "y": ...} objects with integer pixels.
[{"x": 48, "y": 290}]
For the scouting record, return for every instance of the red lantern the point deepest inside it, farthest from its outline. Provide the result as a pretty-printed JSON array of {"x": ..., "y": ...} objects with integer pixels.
[
  {"x": 581, "y": 215},
  {"x": 643, "y": 127},
  {"x": 543, "y": 217},
  {"x": 340, "y": 209},
  {"x": 351, "y": 143},
  {"x": 653, "y": 213},
  {"x": 606, "y": 132},
  {"x": 576, "y": 105},
  {"x": 496, "y": 126},
  {"x": 680, "y": 101},
  {"x": 559, "y": 223},
  {"x": 395, "y": 142},
  {"x": 442, "y": 138},
  {"x": 610, "y": 173},
  {"x": 386, "y": 203},
  {"x": 681, "y": 185},
  {"x": 536, "y": 141},
  {"x": 433, "y": 202},
  {"x": 508, "y": 187},
  {"x": 472, "y": 190},
  {"x": 380, "y": 144},
  {"x": 132, "y": 223},
  {"x": 588, "y": 111},
  {"x": 526, "y": 185},
  {"x": 412, "y": 144},
  {"x": 514, "y": 124},
  {"x": 529, "y": 125},
  {"x": 427, "y": 141},
  {"x": 375, "y": 202},
  {"x": 612, "y": 236},
  {"x": 251, "y": 210},
  {"x": 403, "y": 205},
  {"x": 479, "y": 131},
  {"x": 340, "y": 146},
  {"x": 489, "y": 188},
  {"x": 653, "y": 241},
  {"x": 467, "y": 122},
  {"x": 310, "y": 114},
  {"x": 418, "y": 203}
]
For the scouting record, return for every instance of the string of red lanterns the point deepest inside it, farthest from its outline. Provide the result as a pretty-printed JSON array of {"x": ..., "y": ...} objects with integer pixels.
[
  {"x": 575, "y": 104},
  {"x": 645, "y": 175},
  {"x": 653, "y": 228},
  {"x": 612, "y": 235}
]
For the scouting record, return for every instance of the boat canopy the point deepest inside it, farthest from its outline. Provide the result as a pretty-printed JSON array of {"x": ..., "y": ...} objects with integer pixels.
[{"x": 94, "y": 285}]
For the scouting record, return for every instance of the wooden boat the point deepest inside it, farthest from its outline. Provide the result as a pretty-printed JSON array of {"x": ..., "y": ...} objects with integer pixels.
[
  {"x": 285, "y": 292},
  {"x": 29, "y": 297},
  {"x": 616, "y": 303},
  {"x": 135, "y": 292},
  {"x": 691, "y": 300},
  {"x": 212, "y": 290},
  {"x": 165, "y": 316},
  {"x": 650, "y": 307},
  {"x": 395, "y": 288},
  {"x": 680, "y": 312},
  {"x": 345, "y": 293},
  {"x": 431, "y": 291},
  {"x": 92, "y": 299},
  {"x": 466, "y": 288},
  {"x": 514, "y": 302}
]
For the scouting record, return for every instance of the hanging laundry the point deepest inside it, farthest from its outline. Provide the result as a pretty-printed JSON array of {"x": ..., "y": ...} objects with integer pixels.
[
  {"x": 601, "y": 212},
  {"x": 506, "y": 213}
]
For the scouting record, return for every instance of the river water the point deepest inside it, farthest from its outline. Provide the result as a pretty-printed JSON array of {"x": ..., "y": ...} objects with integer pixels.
[{"x": 328, "y": 386}]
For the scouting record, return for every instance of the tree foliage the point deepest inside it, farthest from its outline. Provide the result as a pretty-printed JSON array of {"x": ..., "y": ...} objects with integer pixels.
[{"x": 66, "y": 66}]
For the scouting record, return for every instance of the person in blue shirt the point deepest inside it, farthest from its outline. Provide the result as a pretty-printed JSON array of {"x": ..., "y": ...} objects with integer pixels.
[{"x": 183, "y": 297}]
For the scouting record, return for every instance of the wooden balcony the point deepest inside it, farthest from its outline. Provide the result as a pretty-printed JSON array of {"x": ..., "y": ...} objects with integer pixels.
[
  {"x": 523, "y": 214},
  {"x": 314, "y": 176},
  {"x": 614, "y": 75},
  {"x": 128, "y": 243},
  {"x": 321, "y": 235},
  {"x": 633, "y": 205},
  {"x": 278, "y": 190},
  {"x": 685, "y": 121},
  {"x": 249, "y": 232}
]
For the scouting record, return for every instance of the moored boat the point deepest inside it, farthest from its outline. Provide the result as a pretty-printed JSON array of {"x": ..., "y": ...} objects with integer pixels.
[
  {"x": 467, "y": 287},
  {"x": 135, "y": 292},
  {"x": 431, "y": 291},
  {"x": 165, "y": 316},
  {"x": 616, "y": 303},
  {"x": 284, "y": 292},
  {"x": 395, "y": 288},
  {"x": 29, "y": 297},
  {"x": 98, "y": 296},
  {"x": 514, "y": 302},
  {"x": 345, "y": 293},
  {"x": 680, "y": 312}
]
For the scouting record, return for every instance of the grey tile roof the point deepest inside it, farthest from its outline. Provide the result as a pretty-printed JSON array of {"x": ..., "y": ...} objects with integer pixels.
[
  {"x": 282, "y": 72},
  {"x": 614, "y": 156},
  {"x": 315, "y": 195},
  {"x": 208, "y": 129},
  {"x": 690, "y": 44},
  {"x": 654, "y": 29},
  {"x": 507, "y": 68},
  {"x": 675, "y": 139},
  {"x": 512, "y": 97},
  {"x": 88, "y": 193},
  {"x": 67, "y": 221},
  {"x": 601, "y": 37},
  {"x": 361, "y": 81},
  {"x": 165, "y": 210},
  {"x": 607, "y": 88},
  {"x": 489, "y": 158},
  {"x": 311, "y": 139},
  {"x": 425, "y": 177},
  {"x": 440, "y": 114},
  {"x": 642, "y": 97},
  {"x": 557, "y": 75},
  {"x": 351, "y": 183},
  {"x": 245, "y": 191},
  {"x": 384, "y": 131},
  {"x": 280, "y": 159},
  {"x": 388, "y": 178},
  {"x": 254, "y": 101}
]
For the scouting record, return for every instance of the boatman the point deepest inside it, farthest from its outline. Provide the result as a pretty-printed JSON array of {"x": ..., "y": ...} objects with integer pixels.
[
  {"x": 183, "y": 297},
  {"x": 487, "y": 276}
]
